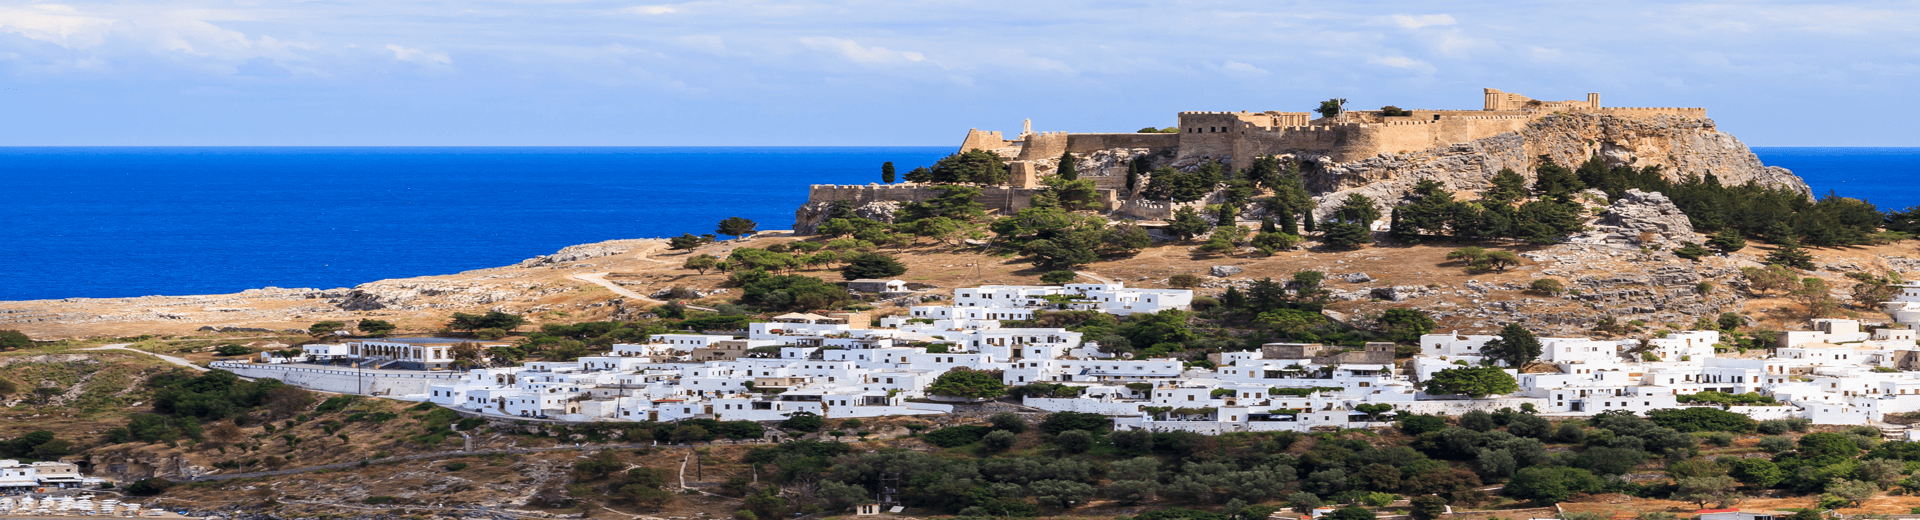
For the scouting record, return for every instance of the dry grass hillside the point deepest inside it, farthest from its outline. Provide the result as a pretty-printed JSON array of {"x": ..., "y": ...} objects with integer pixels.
[{"x": 1652, "y": 286}]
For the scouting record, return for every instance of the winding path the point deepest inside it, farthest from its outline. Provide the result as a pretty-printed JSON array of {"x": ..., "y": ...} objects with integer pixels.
[
  {"x": 601, "y": 280},
  {"x": 163, "y": 357}
]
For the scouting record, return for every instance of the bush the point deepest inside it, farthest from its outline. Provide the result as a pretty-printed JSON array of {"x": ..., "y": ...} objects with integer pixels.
[
  {"x": 1418, "y": 424},
  {"x": 1701, "y": 419},
  {"x": 1547, "y": 286},
  {"x": 872, "y": 265},
  {"x": 232, "y": 350},
  {"x": 1060, "y": 422},
  {"x": 457, "y": 466},
  {"x": 1008, "y": 421},
  {"x": 1074, "y": 441},
  {"x": 999, "y": 440},
  {"x": 1183, "y": 281},
  {"x": 956, "y": 436}
]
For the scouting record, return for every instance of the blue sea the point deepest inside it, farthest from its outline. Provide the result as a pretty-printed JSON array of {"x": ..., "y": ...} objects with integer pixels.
[{"x": 114, "y": 222}]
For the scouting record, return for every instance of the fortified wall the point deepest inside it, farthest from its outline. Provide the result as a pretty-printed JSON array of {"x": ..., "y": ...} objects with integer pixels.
[{"x": 1238, "y": 137}]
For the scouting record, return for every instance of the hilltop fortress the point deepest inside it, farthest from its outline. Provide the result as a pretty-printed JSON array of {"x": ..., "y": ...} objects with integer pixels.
[{"x": 1375, "y": 153}]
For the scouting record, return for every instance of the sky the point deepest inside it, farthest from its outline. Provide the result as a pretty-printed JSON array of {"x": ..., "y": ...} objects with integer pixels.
[{"x": 809, "y": 73}]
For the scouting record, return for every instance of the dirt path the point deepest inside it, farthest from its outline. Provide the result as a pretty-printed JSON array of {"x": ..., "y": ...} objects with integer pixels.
[
  {"x": 1095, "y": 277},
  {"x": 601, "y": 280},
  {"x": 163, "y": 357}
]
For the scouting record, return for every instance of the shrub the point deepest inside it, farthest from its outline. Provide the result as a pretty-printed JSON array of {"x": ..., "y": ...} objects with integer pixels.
[
  {"x": 1183, "y": 281},
  {"x": 1060, "y": 422},
  {"x": 1008, "y": 421},
  {"x": 999, "y": 440},
  {"x": 1701, "y": 419},
  {"x": 1058, "y": 277},
  {"x": 956, "y": 436},
  {"x": 457, "y": 466},
  {"x": 1548, "y": 286}
]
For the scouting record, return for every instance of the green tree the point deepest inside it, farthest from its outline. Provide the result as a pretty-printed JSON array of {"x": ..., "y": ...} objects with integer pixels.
[
  {"x": 1854, "y": 491},
  {"x": 1351, "y": 513},
  {"x": 1187, "y": 223},
  {"x": 1068, "y": 170},
  {"x": 1690, "y": 251},
  {"x": 969, "y": 384},
  {"x": 1516, "y": 346},
  {"x": 1291, "y": 322},
  {"x": 1549, "y": 484},
  {"x": 688, "y": 241},
  {"x": 1508, "y": 187},
  {"x": 872, "y": 265},
  {"x": 1405, "y": 325},
  {"x": 1074, "y": 442},
  {"x": 886, "y": 172},
  {"x": 737, "y": 227},
  {"x": 976, "y": 166},
  {"x": 1475, "y": 382},
  {"x": 998, "y": 440},
  {"x": 1427, "y": 507},
  {"x": 325, "y": 329},
  {"x": 1058, "y": 277},
  {"x": 1727, "y": 241},
  {"x": 1756, "y": 472},
  {"x": 701, "y": 263},
  {"x": 14, "y": 340},
  {"x": 1704, "y": 490},
  {"x": 1791, "y": 255},
  {"x": 375, "y": 328},
  {"x": 1331, "y": 108},
  {"x": 1553, "y": 180}
]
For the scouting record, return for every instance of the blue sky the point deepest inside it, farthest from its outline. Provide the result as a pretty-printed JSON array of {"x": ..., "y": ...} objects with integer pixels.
[{"x": 745, "y": 72}]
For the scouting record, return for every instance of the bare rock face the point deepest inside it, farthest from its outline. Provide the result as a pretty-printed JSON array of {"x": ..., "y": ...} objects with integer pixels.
[
  {"x": 1636, "y": 215},
  {"x": 812, "y": 214},
  {"x": 572, "y": 254},
  {"x": 1679, "y": 146}
]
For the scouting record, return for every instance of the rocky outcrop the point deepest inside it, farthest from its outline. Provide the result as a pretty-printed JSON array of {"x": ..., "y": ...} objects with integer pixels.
[
  {"x": 1680, "y": 146},
  {"x": 1640, "y": 218},
  {"x": 812, "y": 214},
  {"x": 574, "y": 254}
]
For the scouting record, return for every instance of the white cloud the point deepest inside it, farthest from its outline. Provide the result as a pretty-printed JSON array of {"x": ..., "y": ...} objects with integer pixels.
[
  {"x": 1242, "y": 68},
  {"x": 1402, "y": 62},
  {"x": 875, "y": 55},
  {"x": 1424, "y": 20},
  {"x": 419, "y": 56},
  {"x": 62, "y": 25},
  {"x": 650, "y": 9}
]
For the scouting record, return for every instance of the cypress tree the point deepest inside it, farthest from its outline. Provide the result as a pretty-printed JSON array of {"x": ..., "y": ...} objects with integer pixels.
[
  {"x": 1288, "y": 223},
  {"x": 1134, "y": 168},
  {"x": 1309, "y": 220},
  {"x": 886, "y": 172},
  {"x": 1233, "y": 299},
  {"x": 1067, "y": 169},
  {"x": 1266, "y": 226}
]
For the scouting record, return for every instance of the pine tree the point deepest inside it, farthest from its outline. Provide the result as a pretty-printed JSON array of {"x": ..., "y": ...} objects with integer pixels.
[
  {"x": 1266, "y": 225},
  {"x": 1508, "y": 186},
  {"x": 886, "y": 172},
  {"x": 1287, "y": 224},
  {"x": 1067, "y": 169},
  {"x": 1727, "y": 241},
  {"x": 1309, "y": 221},
  {"x": 1791, "y": 255},
  {"x": 1517, "y": 346},
  {"x": 1233, "y": 299}
]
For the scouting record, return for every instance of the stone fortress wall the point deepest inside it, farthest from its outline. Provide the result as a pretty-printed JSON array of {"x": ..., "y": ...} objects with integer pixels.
[{"x": 1239, "y": 137}]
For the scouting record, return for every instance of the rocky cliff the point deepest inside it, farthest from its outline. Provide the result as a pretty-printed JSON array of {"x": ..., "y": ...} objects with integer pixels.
[{"x": 1680, "y": 146}]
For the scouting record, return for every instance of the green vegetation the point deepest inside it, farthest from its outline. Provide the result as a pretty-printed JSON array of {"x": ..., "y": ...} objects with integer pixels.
[
  {"x": 977, "y": 167},
  {"x": 737, "y": 227},
  {"x": 14, "y": 340}
]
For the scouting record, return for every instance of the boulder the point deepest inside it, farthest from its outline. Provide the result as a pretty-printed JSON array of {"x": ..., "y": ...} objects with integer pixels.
[
  {"x": 1399, "y": 293},
  {"x": 1358, "y": 278},
  {"x": 1224, "y": 271}
]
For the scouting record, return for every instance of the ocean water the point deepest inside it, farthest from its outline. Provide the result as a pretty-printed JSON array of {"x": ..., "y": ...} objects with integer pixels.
[
  {"x": 1887, "y": 177},
  {"x": 115, "y": 222}
]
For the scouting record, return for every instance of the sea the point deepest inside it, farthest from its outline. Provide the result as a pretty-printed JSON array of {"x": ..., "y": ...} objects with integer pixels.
[{"x": 102, "y": 222}]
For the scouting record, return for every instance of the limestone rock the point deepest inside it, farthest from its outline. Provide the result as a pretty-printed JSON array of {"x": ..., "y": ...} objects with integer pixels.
[
  {"x": 808, "y": 218},
  {"x": 1399, "y": 293},
  {"x": 1639, "y": 213},
  {"x": 572, "y": 254},
  {"x": 1224, "y": 271},
  {"x": 1358, "y": 278}
]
